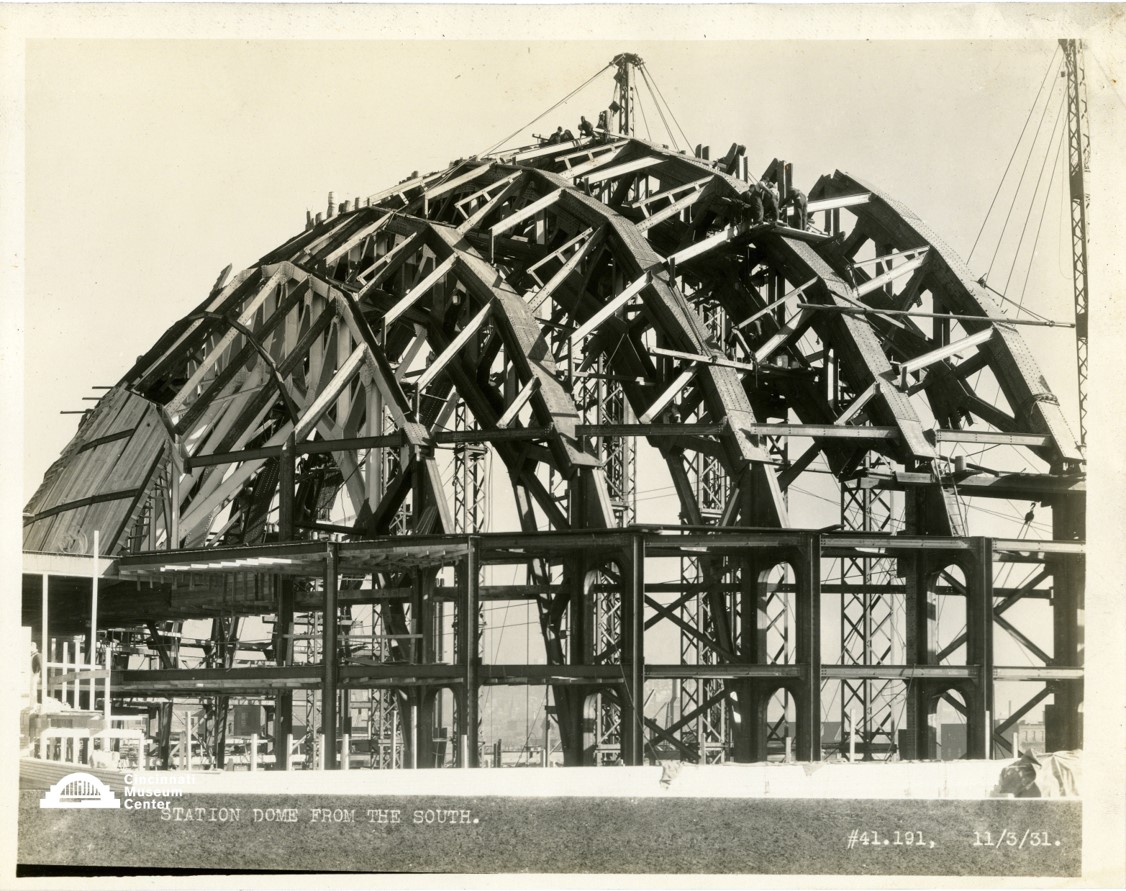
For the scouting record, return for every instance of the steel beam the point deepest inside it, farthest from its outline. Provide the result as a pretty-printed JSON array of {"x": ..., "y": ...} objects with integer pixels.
[
  {"x": 456, "y": 437},
  {"x": 419, "y": 290},
  {"x": 979, "y": 700},
  {"x": 990, "y": 320},
  {"x": 331, "y": 659},
  {"x": 633, "y": 655},
  {"x": 470, "y": 623},
  {"x": 807, "y": 695}
]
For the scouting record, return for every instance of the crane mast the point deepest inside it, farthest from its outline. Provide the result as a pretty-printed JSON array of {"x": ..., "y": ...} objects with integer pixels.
[
  {"x": 1079, "y": 165},
  {"x": 627, "y": 64}
]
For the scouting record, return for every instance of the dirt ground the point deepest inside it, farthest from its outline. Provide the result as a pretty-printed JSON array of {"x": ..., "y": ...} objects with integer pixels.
[{"x": 557, "y": 835}]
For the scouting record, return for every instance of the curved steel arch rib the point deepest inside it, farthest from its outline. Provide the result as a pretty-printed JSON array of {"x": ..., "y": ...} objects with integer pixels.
[
  {"x": 947, "y": 276},
  {"x": 491, "y": 291},
  {"x": 612, "y": 272}
]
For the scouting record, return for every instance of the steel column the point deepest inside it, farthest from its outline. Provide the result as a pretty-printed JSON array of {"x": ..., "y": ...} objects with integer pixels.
[
  {"x": 470, "y": 630},
  {"x": 749, "y": 734},
  {"x": 44, "y": 644},
  {"x": 1064, "y": 717},
  {"x": 920, "y": 647},
  {"x": 979, "y": 649},
  {"x": 92, "y": 644},
  {"x": 633, "y": 652},
  {"x": 283, "y": 629},
  {"x": 330, "y": 656},
  {"x": 424, "y": 652},
  {"x": 569, "y": 707},
  {"x": 807, "y": 697}
]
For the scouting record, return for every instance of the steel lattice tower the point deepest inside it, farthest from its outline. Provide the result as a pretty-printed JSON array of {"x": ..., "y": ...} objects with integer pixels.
[
  {"x": 554, "y": 304},
  {"x": 868, "y": 623},
  {"x": 1078, "y": 166}
]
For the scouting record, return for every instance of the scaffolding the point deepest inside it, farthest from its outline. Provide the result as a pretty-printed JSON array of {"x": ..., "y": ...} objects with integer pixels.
[{"x": 327, "y": 462}]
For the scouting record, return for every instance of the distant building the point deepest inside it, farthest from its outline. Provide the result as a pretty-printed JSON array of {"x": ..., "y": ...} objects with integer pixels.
[{"x": 1029, "y": 737}]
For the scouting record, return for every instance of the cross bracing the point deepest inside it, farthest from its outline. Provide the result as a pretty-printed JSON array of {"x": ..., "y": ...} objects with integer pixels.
[{"x": 556, "y": 307}]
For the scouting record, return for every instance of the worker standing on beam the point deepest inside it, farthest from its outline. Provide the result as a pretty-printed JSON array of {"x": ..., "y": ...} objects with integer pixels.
[
  {"x": 769, "y": 192},
  {"x": 755, "y": 211},
  {"x": 745, "y": 209},
  {"x": 798, "y": 201}
]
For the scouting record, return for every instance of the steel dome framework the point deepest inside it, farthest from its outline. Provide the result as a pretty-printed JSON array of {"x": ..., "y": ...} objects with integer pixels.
[{"x": 310, "y": 442}]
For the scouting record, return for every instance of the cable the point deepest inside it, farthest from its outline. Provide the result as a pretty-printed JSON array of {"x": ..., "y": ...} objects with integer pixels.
[
  {"x": 644, "y": 120},
  {"x": 657, "y": 104},
  {"x": 528, "y": 727},
  {"x": 1014, "y": 154},
  {"x": 1018, "y": 306},
  {"x": 1012, "y": 204},
  {"x": 814, "y": 495},
  {"x": 1032, "y": 201},
  {"x": 527, "y": 687},
  {"x": 687, "y": 141},
  {"x": 1043, "y": 212},
  {"x": 549, "y": 111},
  {"x": 1063, "y": 255}
]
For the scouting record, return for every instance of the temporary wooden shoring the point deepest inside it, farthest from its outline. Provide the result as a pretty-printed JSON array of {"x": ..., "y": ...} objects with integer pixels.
[
  {"x": 631, "y": 290},
  {"x": 428, "y": 281},
  {"x": 436, "y": 367},
  {"x": 518, "y": 403}
]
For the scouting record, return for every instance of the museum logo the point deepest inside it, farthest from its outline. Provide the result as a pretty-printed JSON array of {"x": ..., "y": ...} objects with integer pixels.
[{"x": 82, "y": 790}]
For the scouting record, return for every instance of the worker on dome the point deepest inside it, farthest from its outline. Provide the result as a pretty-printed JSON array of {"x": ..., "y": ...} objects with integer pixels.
[
  {"x": 754, "y": 211},
  {"x": 798, "y": 201},
  {"x": 769, "y": 193},
  {"x": 745, "y": 209}
]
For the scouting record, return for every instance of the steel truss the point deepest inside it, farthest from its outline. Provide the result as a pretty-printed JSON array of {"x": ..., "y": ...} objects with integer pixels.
[
  {"x": 286, "y": 449},
  {"x": 1079, "y": 167},
  {"x": 924, "y": 560}
]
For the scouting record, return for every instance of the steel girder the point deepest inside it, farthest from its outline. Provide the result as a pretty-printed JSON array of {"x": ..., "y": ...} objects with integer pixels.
[{"x": 486, "y": 288}]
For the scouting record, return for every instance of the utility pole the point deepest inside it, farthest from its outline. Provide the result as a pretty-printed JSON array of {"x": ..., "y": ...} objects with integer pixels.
[{"x": 1079, "y": 165}]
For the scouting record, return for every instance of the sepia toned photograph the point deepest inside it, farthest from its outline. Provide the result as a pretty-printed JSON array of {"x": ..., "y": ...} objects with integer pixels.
[{"x": 639, "y": 445}]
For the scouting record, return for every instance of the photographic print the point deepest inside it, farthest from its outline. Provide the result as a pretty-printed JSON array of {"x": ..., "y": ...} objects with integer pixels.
[{"x": 634, "y": 442}]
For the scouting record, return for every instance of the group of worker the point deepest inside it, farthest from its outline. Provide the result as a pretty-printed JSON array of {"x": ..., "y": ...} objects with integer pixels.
[
  {"x": 761, "y": 203},
  {"x": 586, "y": 130},
  {"x": 560, "y": 135}
]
